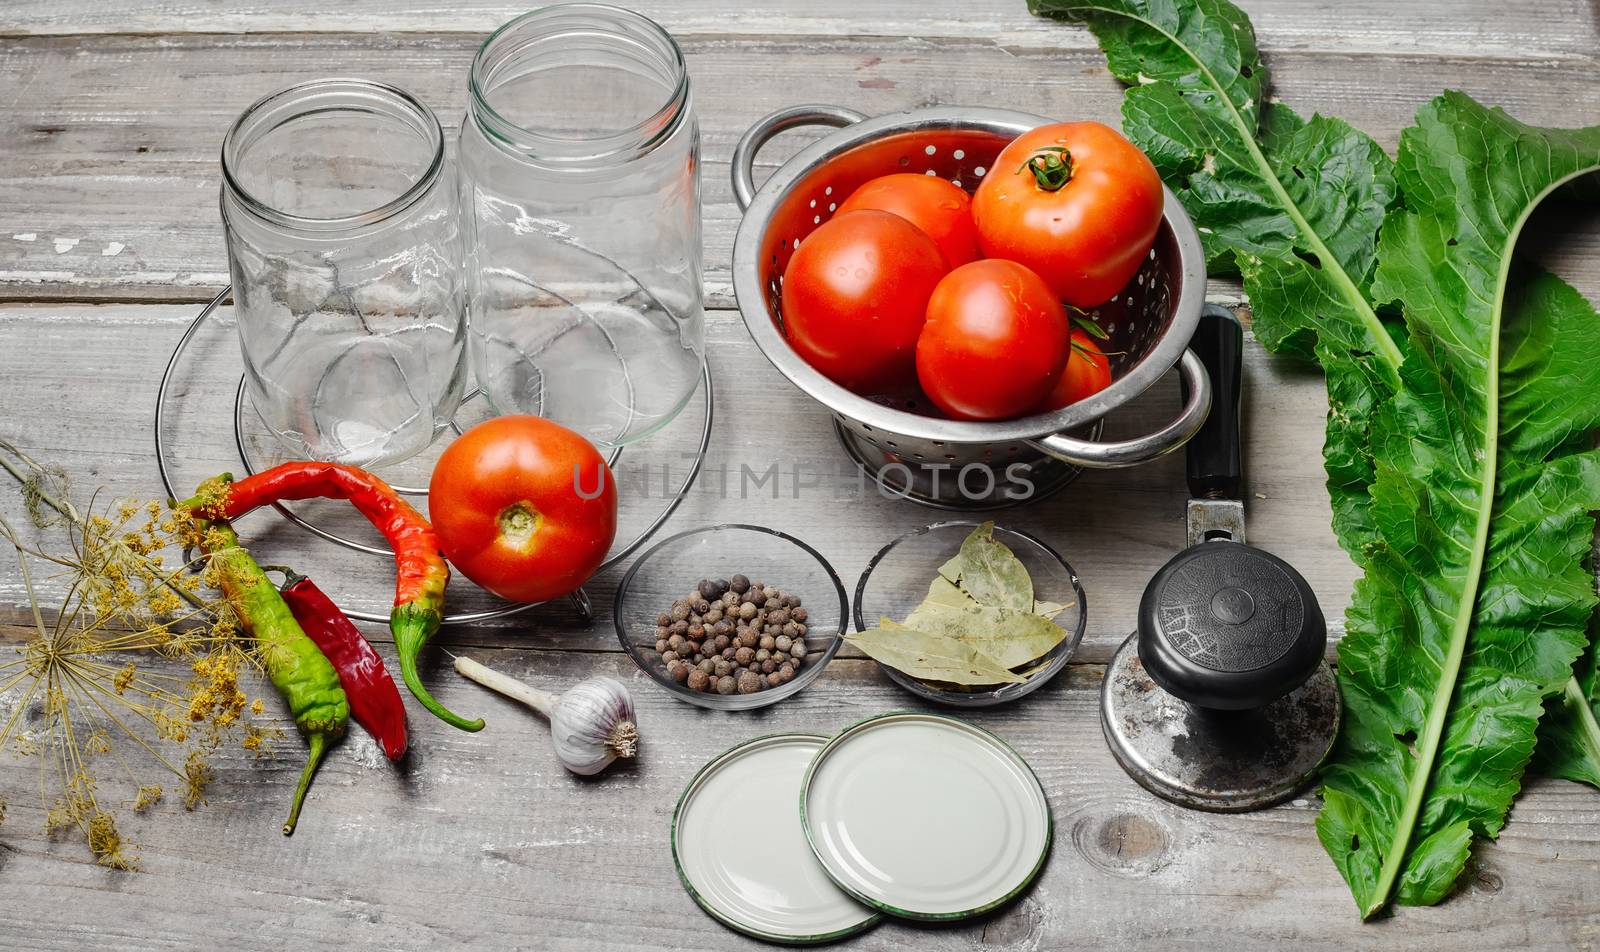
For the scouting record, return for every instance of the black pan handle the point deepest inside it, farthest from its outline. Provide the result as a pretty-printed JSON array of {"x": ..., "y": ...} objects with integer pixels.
[{"x": 1216, "y": 470}]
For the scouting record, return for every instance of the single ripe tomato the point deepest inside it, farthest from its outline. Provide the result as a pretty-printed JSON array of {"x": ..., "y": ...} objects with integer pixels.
[
  {"x": 995, "y": 341},
  {"x": 854, "y": 295},
  {"x": 1088, "y": 371},
  {"x": 524, "y": 507},
  {"x": 942, "y": 210},
  {"x": 1074, "y": 201}
]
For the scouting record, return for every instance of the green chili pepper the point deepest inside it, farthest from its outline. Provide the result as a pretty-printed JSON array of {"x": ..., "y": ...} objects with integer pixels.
[{"x": 297, "y": 667}]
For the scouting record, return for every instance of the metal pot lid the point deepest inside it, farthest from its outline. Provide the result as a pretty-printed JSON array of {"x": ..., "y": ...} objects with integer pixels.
[
  {"x": 925, "y": 816},
  {"x": 1221, "y": 761},
  {"x": 769, "y": 886}
]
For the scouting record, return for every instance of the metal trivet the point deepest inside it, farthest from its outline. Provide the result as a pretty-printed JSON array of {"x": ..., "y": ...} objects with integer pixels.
[{"x": 580, "y": 599}]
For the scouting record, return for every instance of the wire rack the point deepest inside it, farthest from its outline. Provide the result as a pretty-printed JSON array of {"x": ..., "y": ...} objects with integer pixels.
[{"x": 579, "y": 599}]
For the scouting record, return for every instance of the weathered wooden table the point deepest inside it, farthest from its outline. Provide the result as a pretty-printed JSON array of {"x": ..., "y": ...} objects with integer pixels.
[{"x": 110, "y": 123}]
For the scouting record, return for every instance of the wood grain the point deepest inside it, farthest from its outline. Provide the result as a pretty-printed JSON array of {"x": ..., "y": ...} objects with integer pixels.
[
  {"x": 110, "y": 120},
  {"x": 111, "y": 177},
  {"x": 1456, "y": 28},
  {"x": 1115, "y": 527},
  {"x": 483, "y": 842}
]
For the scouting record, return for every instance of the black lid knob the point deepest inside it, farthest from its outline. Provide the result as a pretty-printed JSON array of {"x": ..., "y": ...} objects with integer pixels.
[{"x": 1230, "y": 627}]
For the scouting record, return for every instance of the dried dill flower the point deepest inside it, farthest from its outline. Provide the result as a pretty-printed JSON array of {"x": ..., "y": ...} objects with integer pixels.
[
  {"x": 98, "y": 681},
  {"x": 197, "y": 776}
]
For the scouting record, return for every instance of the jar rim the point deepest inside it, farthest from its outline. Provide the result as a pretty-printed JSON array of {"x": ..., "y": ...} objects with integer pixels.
[
  {"x": 577, "y": 151},
  {"x": 234, "y": 142}
]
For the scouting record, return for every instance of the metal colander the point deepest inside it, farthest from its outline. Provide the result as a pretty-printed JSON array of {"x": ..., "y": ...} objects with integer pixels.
[{"x": 901, "y": 439}]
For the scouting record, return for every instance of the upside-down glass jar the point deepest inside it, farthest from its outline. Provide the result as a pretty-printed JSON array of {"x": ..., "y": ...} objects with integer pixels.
[
  {"x": 580, "y": 197},
  {"x": 344, "y": 245}
]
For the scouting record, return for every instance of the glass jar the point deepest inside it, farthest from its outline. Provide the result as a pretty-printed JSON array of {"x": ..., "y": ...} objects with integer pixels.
[
  {"x": 344, "y": 245},
  {"x": 581, "y": 200}
]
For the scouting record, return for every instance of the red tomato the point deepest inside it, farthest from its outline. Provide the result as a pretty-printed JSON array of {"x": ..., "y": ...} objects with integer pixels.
[
  {"x": 942, "y": 210},
  {"x": 1074, "y": 201},
  {"x": 508, "y": 502},
  {"x": 854, "y": 295},
  {"x": 995, "y": 341},
  {"x": 1088, "y": 371}
]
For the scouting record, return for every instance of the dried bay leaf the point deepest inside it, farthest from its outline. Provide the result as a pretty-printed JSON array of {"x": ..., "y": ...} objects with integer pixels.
[
  {"x": 1050, "y": 609},
  {"x": 990, "y": 572},
  {"x": 1011, "y": 638},
  {"x": 930, "y": 657},
  {"x": 942, "y": 591}
]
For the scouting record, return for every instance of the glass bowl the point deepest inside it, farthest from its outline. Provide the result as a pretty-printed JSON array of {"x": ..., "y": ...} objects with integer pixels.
[
  {"x": 896, "y": 581},
  {"x": 672, "y": 568}
]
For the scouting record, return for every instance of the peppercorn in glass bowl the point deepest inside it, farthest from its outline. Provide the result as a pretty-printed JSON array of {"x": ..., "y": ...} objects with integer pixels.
[
  {"x": 896, "y": 581},
  {"x": 731, "y": 617}
]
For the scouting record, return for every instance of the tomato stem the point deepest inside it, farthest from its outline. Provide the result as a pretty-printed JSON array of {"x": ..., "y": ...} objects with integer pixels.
[
  {"x": 1051, "y": 167},
  {"x": 518, "y": 524}
]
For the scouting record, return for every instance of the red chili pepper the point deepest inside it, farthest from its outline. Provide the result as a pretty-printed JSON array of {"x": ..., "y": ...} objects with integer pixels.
[
  {"x": 422, "y": 573},
  {"x": 374, "y": 700}
]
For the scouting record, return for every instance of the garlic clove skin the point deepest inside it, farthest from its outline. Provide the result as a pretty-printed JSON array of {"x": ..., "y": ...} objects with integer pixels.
[{"x": 592, "y": 724}]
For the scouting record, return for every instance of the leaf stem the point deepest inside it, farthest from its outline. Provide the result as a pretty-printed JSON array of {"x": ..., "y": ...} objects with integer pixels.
[
  {"x": 1421, "y": 774},
  {"x": 1588, "y": 727}
]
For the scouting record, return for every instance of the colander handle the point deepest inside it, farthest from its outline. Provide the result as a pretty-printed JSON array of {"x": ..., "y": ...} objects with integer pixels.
[
  {"x": 1143, "y": 449},
  {"x": 758, "y": 135}
]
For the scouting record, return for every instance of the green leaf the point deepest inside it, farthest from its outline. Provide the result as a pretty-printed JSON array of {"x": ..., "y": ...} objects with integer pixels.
[
  {"x": 1456, "y": 443},
  {"x": 1292, "y": 204},
  {"x": 1569, "y": 735},
  {"x": 1476, "y": 595},
  {"x": 929, "y": 656}
]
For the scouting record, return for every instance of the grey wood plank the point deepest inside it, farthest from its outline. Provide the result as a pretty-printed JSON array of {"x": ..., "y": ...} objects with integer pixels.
[
  {"x": 98, "y": 367},
  {"x": 483, "y": 842},
  {"x": 1525, "y": 28},
  {"x": 110, "y": 182}
]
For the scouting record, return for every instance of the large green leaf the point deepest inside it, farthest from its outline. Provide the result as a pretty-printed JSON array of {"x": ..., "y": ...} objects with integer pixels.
[
  {"x": 1456, "y": 443},
  {"x": 1569, "y": 736},
  {"x": 1292, "y": 204},
  {"x": 1476, "y": 595}
]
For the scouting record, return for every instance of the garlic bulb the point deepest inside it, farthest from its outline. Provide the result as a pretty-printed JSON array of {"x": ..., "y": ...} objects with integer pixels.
[{"x": 591, "y": 725}]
